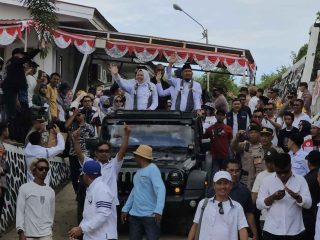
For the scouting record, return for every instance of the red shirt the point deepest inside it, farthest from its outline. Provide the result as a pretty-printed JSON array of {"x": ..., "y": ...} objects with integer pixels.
[{"x": 221, "y": 136}]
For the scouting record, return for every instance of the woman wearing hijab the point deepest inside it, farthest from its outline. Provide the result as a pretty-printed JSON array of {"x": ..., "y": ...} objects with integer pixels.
[
  {"x": 104, "y": 107},
  {"x": 304, "y": 128},
  {"x": 143, "y": 93}
]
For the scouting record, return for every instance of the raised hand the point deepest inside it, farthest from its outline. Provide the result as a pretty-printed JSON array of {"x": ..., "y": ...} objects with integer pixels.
[
  {"x": 172, "y": 59},
  {"x": 114, "y": 69},
  {"x": 127, "y": 129}
]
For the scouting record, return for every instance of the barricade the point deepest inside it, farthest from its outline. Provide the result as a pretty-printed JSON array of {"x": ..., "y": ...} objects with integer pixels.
[{"x": 17, "y": 176}]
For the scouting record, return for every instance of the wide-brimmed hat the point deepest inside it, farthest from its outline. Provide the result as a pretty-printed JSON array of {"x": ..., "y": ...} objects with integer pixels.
[{"x": 144, "y": 151}]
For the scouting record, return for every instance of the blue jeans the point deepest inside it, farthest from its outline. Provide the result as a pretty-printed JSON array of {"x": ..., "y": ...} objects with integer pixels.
[{"x": 140, "y": 225}]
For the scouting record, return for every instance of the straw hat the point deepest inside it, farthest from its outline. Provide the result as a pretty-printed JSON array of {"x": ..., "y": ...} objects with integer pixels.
[{"x": 144, "y": 151}]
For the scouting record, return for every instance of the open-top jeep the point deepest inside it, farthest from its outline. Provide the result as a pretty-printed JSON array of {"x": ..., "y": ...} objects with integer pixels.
[{"x": 175, "y": 138}]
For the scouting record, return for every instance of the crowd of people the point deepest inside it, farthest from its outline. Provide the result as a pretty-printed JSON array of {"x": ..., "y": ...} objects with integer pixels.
[{"x": 265, "y": 154}]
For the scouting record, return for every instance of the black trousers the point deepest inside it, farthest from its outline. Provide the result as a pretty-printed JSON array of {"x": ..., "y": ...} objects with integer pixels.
[
  {"x": 74, "y": 172},
  {"x": 269, "y": 236}
]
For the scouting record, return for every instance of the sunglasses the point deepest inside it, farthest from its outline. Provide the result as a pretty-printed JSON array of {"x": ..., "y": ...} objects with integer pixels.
[
  {"x": 221, "y": 211},
  {"x": 103, "y": 150},
  {"x": 41, "y": 169}
]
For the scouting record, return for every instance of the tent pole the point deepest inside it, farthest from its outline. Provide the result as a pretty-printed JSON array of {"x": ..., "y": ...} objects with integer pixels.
[
  {"x": 26, "y": 40},
  {"x": 84, "y": 59}
]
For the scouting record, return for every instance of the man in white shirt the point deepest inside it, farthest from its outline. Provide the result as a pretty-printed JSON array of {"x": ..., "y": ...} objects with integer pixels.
[
  {"x": 110, "y": 167},
  {"x": 36, "y": 205},
  {"x": 34, "y": 149},
  {"x": 269, "y": 157},
  {"x": 187, "y": 92},
  {"x": 298, "y": 114},
  {"x": 254, "y": 99},
  {"x": 298, "y": 156},
  {"x": 271, "y": 121},
  {"x": 30, "y": 70},
  {"x": 98, "y": 221},
  {"x": 219, "y": 217},
  {"x": 143, "y": 93},
  {"x": 283, "y": 194}
]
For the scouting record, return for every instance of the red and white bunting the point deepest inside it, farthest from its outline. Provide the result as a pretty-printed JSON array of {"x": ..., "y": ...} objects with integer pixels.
[
  {"x": 236, "y": 66},
  {"x": 146, "y": 54},
  {"x": 84, "y": 44},
  {"x": 9, "y": 34},
  {"x": 207, "y": 63},
  {"x": 116, "y": 51}
]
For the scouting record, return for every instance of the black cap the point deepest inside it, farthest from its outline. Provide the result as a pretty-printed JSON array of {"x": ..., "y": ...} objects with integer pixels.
[
  {"x": 186, "y": 66},
  {"x": 266, "y": 130},
  {"x": 270, "y": 155},
  {"x": 18, "y": 51},
  {"x": 254, "y": 128}
]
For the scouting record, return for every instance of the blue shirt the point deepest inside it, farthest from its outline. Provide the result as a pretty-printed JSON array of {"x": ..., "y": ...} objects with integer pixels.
[{"x": 148, "y": 194}]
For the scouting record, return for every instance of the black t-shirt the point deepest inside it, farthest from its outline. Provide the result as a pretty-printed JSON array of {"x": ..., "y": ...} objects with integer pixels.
[
  {"x": 162, "y": 104},
  {"x": 283, "y": 137}
]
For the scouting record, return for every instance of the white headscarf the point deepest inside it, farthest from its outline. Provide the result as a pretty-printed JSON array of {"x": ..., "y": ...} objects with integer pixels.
[{"x": 146, "y": 76}]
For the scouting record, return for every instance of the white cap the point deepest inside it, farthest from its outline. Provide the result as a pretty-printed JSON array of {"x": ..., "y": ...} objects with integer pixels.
[
  {"x": 222, "y": 175},
  {"x": 316, "y": 123}
]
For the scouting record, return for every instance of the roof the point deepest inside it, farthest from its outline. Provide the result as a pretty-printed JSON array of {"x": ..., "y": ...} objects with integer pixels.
[
  {"x": 92, "y": 18},
  {"x": 110, "y": 35}
]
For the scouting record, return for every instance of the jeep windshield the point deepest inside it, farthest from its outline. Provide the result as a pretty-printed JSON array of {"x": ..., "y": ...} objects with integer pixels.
[{"x": 180, "y": 136}]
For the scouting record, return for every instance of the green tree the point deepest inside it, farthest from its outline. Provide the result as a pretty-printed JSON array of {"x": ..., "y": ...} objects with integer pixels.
[
  {"x": 267, "y": 79},
  {"x": 222, "y": 79},
  {"x": 43, "y": 12}
]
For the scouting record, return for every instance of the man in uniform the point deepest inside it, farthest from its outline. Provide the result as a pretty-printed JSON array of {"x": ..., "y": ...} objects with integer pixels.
[
  {"x": 266, "y": 136},
  {"x": 251, "y": 154}
]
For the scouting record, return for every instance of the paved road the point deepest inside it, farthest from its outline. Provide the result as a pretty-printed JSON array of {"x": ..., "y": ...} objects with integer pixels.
[{"x": 65, "y": 218}]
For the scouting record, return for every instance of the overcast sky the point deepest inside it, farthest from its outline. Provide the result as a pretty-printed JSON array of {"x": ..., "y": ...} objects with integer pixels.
[{"x": 270, "y": 29}]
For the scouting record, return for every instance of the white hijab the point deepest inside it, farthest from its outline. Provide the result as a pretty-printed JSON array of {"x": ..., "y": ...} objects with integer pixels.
[{"x": 146, "y": 76}]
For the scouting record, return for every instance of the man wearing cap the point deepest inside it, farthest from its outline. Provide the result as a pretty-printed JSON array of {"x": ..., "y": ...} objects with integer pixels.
[
  {"x": 219, "y": 217},
  {"x": 220, "y": 135},
  {"x": 209, "y": 115},
  {"x": 271, "y": 121},
  {"x": 283, "y": 194},
  {"x": 250, "y": 152},
  {"x": 298, "y": 156},
  {"x": 146, "y": 201},
  {"x": 187, "y": 92},
  {"x": 236, "y": 119},
  {"x": 143, "y": 93},
  {"x": 266, "y": 136},
  {"x": 100, "y": 213},
  {"x": 15, "y": 79},
  {"x": 36, "y": 205},
  {"x": 309, "y": 215},
  {"x": 219, "y": 100},
  {"x": 314, "y": 142},
  {"x": 38, "y": 124}
]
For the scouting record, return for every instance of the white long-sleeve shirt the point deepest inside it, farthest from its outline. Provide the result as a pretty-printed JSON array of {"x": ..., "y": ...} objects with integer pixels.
[
  {"x": 299, "y": 162},
  {"x": 253, "y": 103},
  {"x": 176, "y": 83},
  {"x": 284, "y": 216},
  {"x": 35, "y": 210},
  {"x": 32, "y": 83},
  {"x": 36, "y": 151},
  {"x": 99, "y": 213},
  {"x": 144, "y": 91}
]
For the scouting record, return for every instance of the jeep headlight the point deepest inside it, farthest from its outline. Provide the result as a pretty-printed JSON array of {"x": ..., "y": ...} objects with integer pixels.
[{"x": 175, "y": 178}]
